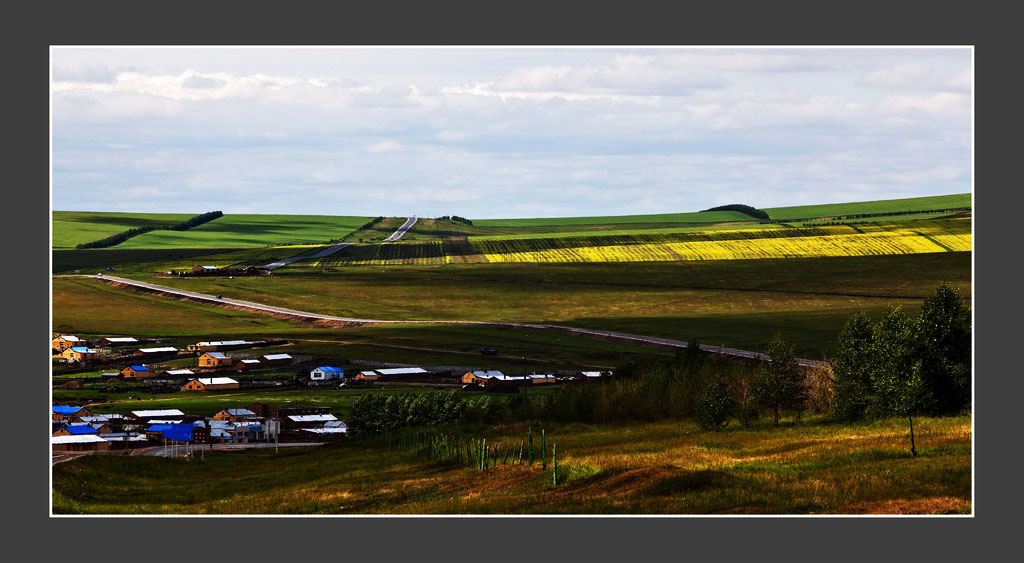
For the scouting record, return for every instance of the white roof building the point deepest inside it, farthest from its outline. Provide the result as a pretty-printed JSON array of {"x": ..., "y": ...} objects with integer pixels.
[
  {"x": 158, "y": 350},
  {"x": 277, "y": 357},
  {"x": 401, "y": 371},
  {"x": 312, "y": 417},
  {"x": 216, "y": 380},
  {"x": 80, "y": 439},
  {"x": 180, "y": 372},
  {"x": 160, "y": 412}
]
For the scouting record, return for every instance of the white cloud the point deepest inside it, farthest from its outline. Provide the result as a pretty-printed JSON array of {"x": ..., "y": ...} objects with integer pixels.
[
  {"x": 385, "y": 146},
  {"x": 946, "y": 103},
  {"x": 962, "y": 80},
  {"x": 900, "y": 75}
]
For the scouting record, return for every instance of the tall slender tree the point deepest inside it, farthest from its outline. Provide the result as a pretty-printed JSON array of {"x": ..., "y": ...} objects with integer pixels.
[{"x": 778, "y": 385}]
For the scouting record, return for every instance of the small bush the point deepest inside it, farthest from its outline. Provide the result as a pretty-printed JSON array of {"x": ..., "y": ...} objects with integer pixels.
[{"x": 576, "y": 471}]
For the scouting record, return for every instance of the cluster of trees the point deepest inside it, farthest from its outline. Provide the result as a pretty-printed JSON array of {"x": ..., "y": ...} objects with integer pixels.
[
  {"x": 372, "y": 414},
  {"x": 113, "y": 240},
  {"x": 903, "y": 365},
  {"x": 745, "y": 209},
  {"x": 455, "y": 219},
  {"x": 693, "y": 385},
  {"x": 196, "y": 221}
]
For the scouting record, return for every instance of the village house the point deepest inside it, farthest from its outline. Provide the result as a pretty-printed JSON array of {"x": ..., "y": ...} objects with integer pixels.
[
  {"x": 401, "y": 371},
  {"x": 67, "y": 413},
  {"x": 75, "y": 430},
  {"x": 145, "y": 416},
  {"x": 214, "y": 360},
  {"x": 235, "y": 415},
  {"x": 79, "y": 443},
  {"x": 64, "y": 341},
  {"x": 300, "y": 421},
  {"x": 270, "y": 412},
  {"x": 210, "y": 384},
  {"x": 78, "y": 354},
  {"x": 480, "y": 377},
  {"x": 218, "y": 345},
  {"x": 326, "y": 373},
  {"x": 178, "y": 433},
  {"x": 153, "y": 352},
  {"x": 275, "y": 359},
  {"x": 178, "y": 373},
  {"x": 243, "y": 365},
  {"x": 587, "y": 375},
  {"x": 368, "y": 375},
  {"x": 116, "y": 341},
  {"x": 100, "y": 427},
  {"x": 136, "y": 372},
  {"x": 204, "y": 269}
]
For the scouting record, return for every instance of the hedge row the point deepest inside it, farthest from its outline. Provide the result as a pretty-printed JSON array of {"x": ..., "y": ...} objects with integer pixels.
[{"x": 113, "y": 240}]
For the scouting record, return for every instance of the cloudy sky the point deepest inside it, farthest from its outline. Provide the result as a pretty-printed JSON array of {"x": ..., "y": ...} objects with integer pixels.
[{"x": 503, "y": 132}]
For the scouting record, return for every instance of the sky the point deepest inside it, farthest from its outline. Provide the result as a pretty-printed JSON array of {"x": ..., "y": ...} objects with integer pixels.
[{"x": 504, "y": 132}]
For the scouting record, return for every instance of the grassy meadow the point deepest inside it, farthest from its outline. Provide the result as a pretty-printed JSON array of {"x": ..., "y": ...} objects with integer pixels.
[
  {"x": 71, "y": 228},
  {"x": 928, "y": 203},
  {"x": 670, "y": 467},
  {"x": 240, "y": 231}
]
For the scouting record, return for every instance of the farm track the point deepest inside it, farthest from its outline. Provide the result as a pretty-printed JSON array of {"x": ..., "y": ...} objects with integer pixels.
[{"x": 333, "y": 321}]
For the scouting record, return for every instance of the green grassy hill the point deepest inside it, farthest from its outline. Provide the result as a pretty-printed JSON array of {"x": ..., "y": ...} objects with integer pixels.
[
  {"x": 71, "y": 228},
  {"x": 694, "y": 217},
  {"x": 239, "y": 231},
  {"x": 930, "y": 203}
]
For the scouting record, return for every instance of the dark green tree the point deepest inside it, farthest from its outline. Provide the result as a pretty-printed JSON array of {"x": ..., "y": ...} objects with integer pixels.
[
  {"x": 942, "y": 338},
  {"x": 851, "y": 367},
  {"x": 745, "y": 404},
  {"x": 779, "y": 385},
  {"x": 714, "y": 404},
  {"x": 891, "y": 364}
]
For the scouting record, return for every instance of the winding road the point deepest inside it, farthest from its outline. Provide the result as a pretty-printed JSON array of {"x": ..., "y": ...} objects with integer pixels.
[
  {"x": 305, "y": 315},
  {"x": 401, "y": 230}
]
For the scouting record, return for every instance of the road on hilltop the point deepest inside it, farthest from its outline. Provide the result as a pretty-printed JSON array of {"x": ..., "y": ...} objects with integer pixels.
[
  {"x": 331, "y": 250},
  {"x": 401, "y": 230},
  {"x": 304, "y": 315}
]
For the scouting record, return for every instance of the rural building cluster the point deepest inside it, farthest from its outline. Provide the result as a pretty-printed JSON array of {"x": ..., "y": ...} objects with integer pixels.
[
  {"x": 78, "y": 429},
  {"x": 219, "y": 365}
]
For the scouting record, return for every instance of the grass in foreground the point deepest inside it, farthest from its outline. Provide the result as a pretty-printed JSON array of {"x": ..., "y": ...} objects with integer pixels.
[{"x": 667, "y": 467}]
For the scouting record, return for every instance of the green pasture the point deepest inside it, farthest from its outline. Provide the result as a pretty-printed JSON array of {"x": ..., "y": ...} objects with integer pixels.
[
  {"x": 929, "y": 203},
  {"x": 71, "y": 228},
  {"x": 238, "y": 231},
  {"x": 691, "y": 217}
]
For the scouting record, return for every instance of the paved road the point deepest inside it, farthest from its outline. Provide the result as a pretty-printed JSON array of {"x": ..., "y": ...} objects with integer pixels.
[
  {"x": 401, "y": 230},
  {"x": 317, "y": 316},
  {"x": 322, "y": 254}
]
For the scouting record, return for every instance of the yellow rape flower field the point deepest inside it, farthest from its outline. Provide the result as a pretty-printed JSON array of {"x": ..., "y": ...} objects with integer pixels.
[{"x": 946, "y": 235}]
